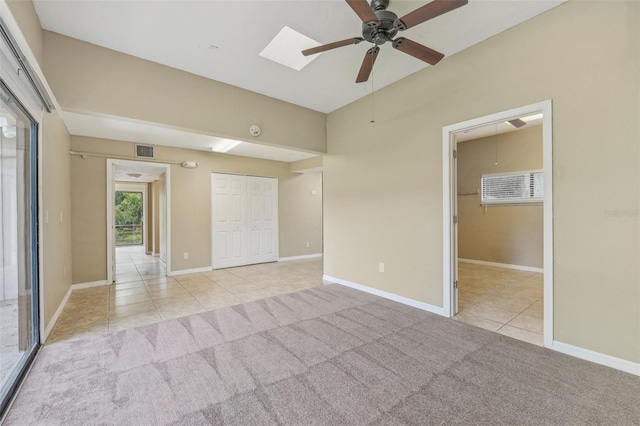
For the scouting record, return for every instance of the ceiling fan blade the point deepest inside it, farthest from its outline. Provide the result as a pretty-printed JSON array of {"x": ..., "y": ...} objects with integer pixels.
[
  {"x": 517, "y": 123},
  {"x": 367, "y": 64},
  {"x": 417, "y": 50},
  {"x": 333, "y": 45},
  {"x": 364, "y": 11},
  {"x": 428, "y": 11}
]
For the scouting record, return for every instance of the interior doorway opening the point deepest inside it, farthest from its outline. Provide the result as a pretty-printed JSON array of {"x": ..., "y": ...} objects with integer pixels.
[
  {"x": 138, "y": 219},
  {"x": 524, "y": 274},
  {"x": 500, "y": 238}
]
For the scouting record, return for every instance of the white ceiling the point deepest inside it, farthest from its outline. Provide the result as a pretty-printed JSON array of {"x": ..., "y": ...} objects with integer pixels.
[
  {"x": 178, "y": 33},
  {"x": 147, "y": 172},
  {"x": 120, "y": 129}
]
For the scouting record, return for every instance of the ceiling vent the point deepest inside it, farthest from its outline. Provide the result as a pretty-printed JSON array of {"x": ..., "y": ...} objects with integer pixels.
[{"x": 144, "y": 151}]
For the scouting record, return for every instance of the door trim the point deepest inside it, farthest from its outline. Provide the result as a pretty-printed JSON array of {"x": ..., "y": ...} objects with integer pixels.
[
  {"x": 449, "y": 194},
  {"x": 111, "y": 162}
]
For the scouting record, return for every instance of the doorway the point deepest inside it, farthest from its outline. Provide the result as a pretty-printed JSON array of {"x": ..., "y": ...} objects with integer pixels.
[
  {"x": 494, "y": 188},
  {"x": 138, "y": 216}
]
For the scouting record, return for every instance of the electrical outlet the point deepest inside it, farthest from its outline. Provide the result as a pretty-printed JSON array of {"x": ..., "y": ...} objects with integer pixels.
[
  {"x": 307, "y": 244},
  {"x": 185, "y": 255},
  {"x": 60, "y": 215},
  {"x": 381, "y": 267},
  {"x": 64, "y": 271}
]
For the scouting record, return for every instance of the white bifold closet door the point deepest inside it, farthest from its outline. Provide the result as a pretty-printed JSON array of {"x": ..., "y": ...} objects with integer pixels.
[{"x": 244, "y": 220}]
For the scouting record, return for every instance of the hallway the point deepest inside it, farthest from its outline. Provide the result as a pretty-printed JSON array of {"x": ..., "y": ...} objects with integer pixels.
[{"x": 132, "y": 264}]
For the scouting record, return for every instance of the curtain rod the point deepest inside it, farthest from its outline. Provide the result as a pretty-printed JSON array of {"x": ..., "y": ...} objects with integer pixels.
[{"x": 120, "y": 157}]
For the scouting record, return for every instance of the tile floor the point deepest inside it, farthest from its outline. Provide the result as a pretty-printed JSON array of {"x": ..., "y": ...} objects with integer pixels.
[
  {"x": 143, "y": 294},
  {"x": 502, "y": 300}
]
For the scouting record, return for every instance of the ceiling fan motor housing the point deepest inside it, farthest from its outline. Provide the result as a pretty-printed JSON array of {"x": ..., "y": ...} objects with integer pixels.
[{"x": 385, "y": 31}]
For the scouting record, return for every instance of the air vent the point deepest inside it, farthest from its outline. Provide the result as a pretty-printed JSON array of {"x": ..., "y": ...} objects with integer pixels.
[{"x": 145, "y": 151}]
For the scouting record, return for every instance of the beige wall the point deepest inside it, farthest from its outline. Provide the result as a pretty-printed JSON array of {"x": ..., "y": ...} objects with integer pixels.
[
  {"x": 506, "y": 233},
  {"x": 304, "y": 218},
  {"x": 299, "y": 212},
  {"x": 89, "y": 218},
  {"x": 383, "y": 182},
  {"x": 29, "y": 23},
  {"x": 88, "y": 78},
  {"x": 56, "y": 200},
  {"x": 307, "y": 165}
]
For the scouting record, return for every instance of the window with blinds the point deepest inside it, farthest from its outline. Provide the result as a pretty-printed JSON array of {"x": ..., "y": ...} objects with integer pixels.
[{"x": 513, "y": 188}]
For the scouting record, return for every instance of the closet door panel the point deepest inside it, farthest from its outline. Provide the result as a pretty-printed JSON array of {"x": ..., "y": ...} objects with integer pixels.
[{"x": 244, "y": 220}]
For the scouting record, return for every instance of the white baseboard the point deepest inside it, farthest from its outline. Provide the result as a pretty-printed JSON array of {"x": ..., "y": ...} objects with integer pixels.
[
  {"x": 400, "y": 299},
  {"x": 189, "y": 271},
  {"x": 597, "y": 357},
  {"x": 80, "y": 286},
  {"x": 306, "y": 256},
  {"x": 55, "y": 316},
  {"x": 503, "y": 265}
]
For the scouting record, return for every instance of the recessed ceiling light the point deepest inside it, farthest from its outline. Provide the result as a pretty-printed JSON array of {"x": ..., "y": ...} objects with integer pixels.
[
  {"x": 224, "y": 145},
  {"x": 286, "y": 49}
]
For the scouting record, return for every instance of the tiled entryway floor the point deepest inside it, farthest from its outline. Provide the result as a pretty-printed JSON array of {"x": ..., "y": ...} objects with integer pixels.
[
  {"x": 503, "y": 300},
  {"x": 143, "y": 295}
]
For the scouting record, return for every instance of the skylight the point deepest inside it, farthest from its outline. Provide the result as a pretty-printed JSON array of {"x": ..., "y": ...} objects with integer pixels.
[{"x": 286, "y": 48}]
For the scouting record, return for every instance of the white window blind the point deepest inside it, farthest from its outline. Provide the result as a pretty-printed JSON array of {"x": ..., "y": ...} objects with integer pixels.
[{"x": 513, "y": 188}]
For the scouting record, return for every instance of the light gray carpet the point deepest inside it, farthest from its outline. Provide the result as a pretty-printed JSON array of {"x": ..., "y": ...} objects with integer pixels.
[{"x": 330, "y": 356}]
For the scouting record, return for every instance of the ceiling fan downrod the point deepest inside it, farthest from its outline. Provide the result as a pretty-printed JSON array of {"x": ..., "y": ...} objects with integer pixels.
[{"x": 385, "y": 30}]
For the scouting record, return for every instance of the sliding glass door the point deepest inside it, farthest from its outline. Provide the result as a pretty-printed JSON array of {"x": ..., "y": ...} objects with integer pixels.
[{"x": 19, "y": 331}]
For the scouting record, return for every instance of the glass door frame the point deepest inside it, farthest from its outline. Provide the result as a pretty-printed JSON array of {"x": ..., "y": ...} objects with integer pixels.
[{"x": 24, "y": 364}]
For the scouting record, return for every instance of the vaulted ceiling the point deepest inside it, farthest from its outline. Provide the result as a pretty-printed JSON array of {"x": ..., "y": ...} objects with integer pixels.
[{"x": 222, "y": 40}]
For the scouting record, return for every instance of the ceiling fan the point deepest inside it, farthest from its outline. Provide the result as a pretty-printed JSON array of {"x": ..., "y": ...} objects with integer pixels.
[{"x": 380, "y": 25}]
